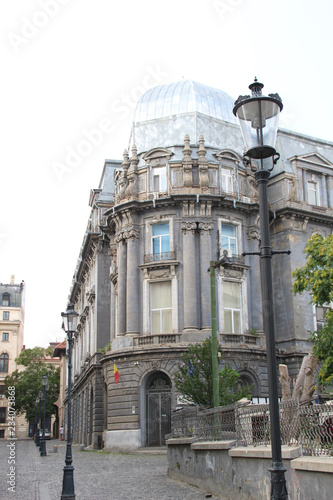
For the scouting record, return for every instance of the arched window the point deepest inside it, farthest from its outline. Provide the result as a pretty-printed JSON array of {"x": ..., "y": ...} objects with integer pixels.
[
  {"x": 4, "y": 363},
  {"x": 5, "y": 300}
]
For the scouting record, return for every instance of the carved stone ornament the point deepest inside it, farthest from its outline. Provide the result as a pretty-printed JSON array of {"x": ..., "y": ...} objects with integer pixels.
[
  {"x": 231, "y": 273},
  {"x": 159, "y": 273},
  {"x": 155, "y": 365},
  {"x": 130, "y": 234},
  {"x": 206, "y": 226},
  {"x": 188, "y": 226},
  {"x": 293, "y": 222},
  {"x": 253, "y": 234}
]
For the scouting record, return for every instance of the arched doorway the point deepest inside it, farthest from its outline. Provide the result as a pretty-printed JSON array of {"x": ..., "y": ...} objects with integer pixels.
[{"x": 158, "y": 408}]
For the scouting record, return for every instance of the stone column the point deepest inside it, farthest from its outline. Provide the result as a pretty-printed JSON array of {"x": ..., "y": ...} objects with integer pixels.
[
  {"x": 189, "y": 276},
  {"x": 205, "y": 258},
  {"x": 132, "y": 289},
  {"x": 122, "y": 272}
]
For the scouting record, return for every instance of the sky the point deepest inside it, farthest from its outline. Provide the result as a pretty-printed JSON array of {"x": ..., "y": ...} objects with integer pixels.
[{"x": 72, "y": 72}]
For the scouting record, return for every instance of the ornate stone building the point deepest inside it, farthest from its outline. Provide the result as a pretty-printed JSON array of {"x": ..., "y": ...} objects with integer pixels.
[
  {"x": 12, "y": 311},
  {"x": 181, "y": 197}
]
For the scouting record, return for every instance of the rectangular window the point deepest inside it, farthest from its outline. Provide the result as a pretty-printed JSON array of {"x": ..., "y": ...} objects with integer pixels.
[
  {"x": 2, "y": 433},
  {"x": 229, "y": 239},
  {"x": 160, "y": 240},
  {"x": 232, "y": 307},
  {"x": 5, "y": 315},
  {"x": 313, "y": 193},
  {"x": 161, "y": 308},
  {"x": 227, "y": 184},
  {"x": 159, "y": 180},
  {"x": 6, "y": 300},
  {"x": 2, "y": 415},
  {"x": 2, "y": 390},
  {"x": 5, "y": 336}
]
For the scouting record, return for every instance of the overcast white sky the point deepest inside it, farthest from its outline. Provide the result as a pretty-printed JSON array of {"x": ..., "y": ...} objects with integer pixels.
[{"x": 71, "y": 66}]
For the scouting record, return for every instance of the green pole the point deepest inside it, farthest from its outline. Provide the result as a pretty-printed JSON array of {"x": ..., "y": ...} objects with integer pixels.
[{"x": 215, "y": 368}]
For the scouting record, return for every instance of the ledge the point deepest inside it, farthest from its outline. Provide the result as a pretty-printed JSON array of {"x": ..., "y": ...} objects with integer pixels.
[
  {"x": 288, "y": 452},
  {"x": 213, "y": 445},
  {"x": 182, "y": 440},
  {"x": 313, "y": 464}
]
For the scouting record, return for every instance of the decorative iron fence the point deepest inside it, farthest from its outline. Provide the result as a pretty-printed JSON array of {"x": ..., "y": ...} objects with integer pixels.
[{"x": 308, "y": 426}]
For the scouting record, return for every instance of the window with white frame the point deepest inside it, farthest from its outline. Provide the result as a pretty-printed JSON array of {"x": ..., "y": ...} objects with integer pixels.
[
  {"x": 232, "y": 307},
  {"x": 313, "y": 192},
  {"x": 5, "y": 315},
  {"x": 160, "y": 240},
  {"x": 160, "y": 307},
  {"x": 159, "y": 179},
  {"x": 229, "y": 238},
  {"x": 5, "y": 336},
  {"x": 226, "y": 180},
  {"x": 320, "y": 315}
]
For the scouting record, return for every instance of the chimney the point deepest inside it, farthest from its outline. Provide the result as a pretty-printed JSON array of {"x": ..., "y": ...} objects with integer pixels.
[{"x": 12, "y": 279}]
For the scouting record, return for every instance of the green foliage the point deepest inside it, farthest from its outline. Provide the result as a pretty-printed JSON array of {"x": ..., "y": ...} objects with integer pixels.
[
  {"x": 28, "y": 382},
  {"x": 316, "y": 277},
  {"x": 194, "y": 378},
  {"x": 105, "y": 349}
]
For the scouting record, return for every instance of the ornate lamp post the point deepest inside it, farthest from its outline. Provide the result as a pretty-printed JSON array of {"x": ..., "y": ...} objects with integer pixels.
[
  {"x": 258, "y": 119},
  {"x": 43, "y": 444},
  {"x": 38, "y": 400},
  {"x": 69, "y": 325}
]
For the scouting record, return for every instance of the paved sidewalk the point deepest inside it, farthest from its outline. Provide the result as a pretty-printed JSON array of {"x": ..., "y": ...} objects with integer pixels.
[{"x": 97, "y": 475}]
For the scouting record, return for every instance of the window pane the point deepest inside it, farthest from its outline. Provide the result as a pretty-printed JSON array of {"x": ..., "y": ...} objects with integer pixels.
[
  {"x": 156, "y": 182},
  {"x": 229, "y": 230},
  {"x": 237, "y": 322},
  {"x": 160, "y": 295},
  {"x": 165, "y": 242},
  {"x": 227, "y": 321},
  {"x": 231, "y": 295},
  {"x": 166, "y": 322},
  {"x": 155, "y": 322},
  {"x": 159, "y": 229},
  {"x": 163, "y": 182}
]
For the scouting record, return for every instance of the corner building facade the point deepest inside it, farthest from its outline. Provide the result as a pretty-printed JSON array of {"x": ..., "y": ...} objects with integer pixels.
[{"x": 180, "y": 198}]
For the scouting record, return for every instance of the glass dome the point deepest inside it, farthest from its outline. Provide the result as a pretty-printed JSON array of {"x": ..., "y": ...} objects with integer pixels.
[
  {"x": 165, "y": 114},
  {"x": 186, "y": 96}
]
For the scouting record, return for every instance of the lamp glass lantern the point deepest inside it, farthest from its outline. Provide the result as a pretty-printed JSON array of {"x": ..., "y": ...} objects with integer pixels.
[
  {"x": 70, "y": 318},
  {"x": 258, "y": 117}
]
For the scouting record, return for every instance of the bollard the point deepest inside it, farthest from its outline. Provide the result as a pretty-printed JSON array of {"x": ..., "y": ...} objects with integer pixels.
[{"x": 55, "y": 449}]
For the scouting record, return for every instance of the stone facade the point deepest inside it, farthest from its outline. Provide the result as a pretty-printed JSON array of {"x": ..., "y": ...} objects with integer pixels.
[
  {"x": 12, "y": 309},
  {"x": 157, "y": 220}
]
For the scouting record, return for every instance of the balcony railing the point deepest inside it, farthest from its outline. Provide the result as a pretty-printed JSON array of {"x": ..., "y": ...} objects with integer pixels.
[
  {"x": 159, "y": 339},
  {"x": 158, "y": 257}
]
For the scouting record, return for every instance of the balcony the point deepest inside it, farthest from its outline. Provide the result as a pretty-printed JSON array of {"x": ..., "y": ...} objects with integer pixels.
[
  {"x": 158, "y": 339},
  {"x": 159, "y": 257}
]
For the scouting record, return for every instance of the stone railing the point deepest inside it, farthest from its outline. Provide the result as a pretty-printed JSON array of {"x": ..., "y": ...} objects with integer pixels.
[{"x": 159, "y": 339}]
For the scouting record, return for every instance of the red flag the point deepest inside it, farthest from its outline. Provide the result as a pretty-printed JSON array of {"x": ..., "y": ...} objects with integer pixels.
[{"x": 116, "y": 374}]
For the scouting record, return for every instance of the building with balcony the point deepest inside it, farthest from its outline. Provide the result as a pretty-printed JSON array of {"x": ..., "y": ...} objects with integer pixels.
[
  {"x": 180, "y": 198},
  {"x": 12, "y": 309}
]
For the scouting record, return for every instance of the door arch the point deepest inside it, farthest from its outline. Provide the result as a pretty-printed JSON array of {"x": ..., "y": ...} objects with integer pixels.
[{"x": 158, "y": 408}]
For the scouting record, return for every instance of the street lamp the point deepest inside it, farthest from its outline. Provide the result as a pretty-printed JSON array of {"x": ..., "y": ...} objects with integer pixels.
[
  {"x": 38, "y": 400},
  {"x": 36, "y": 418},
  {"x": 69, "y": 325},
  {"x": 258, "y": 119},
  {"x": 43, "y": 444}
]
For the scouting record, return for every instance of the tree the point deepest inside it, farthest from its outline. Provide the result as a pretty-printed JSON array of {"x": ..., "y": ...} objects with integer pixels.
[
  {"x": 194, "y": 377},
  {"x": 28, "y": 382},
  {"x": 316, "y": 277}
]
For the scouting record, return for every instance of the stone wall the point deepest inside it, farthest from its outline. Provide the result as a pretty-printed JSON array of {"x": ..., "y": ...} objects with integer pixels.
[{"x": 241, "y": 473}]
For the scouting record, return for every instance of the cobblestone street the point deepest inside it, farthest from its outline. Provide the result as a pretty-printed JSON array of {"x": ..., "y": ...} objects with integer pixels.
[{"x": 97, "y": 475}]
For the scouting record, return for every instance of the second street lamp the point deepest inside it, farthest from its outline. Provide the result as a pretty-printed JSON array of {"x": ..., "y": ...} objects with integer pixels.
[
  {"x": 69, "y": 325},
  {"x": 258, "y": 119},
  {"x": 43, "y": 444},
  {"x": 38, "y": 400}
]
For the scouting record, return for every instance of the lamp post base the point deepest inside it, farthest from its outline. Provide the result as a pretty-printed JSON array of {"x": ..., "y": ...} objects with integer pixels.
[
  {"x": 68, "y": 483},
  {"x": 42, "y": 448},
  {"x": 278, "y": 482}
]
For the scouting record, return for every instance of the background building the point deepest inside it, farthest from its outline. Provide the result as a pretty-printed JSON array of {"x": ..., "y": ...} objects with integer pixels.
[
  {"x": 180, "y": 198},
  {"x": 12, "y": 309}
]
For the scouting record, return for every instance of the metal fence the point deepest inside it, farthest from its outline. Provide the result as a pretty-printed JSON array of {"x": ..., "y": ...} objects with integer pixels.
[{"x": 309, "y": 426}]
